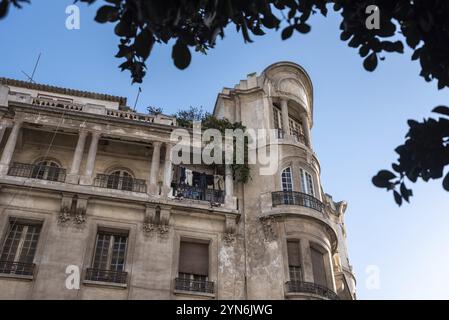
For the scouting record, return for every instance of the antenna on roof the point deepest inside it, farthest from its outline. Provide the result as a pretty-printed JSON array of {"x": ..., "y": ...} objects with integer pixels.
[
  {"x": 137, "y": 99},
  {"x": 31, "y": 78}
]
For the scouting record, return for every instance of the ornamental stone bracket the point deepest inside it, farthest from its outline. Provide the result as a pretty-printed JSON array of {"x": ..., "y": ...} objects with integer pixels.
[
  {"x": 156, "y": 219},
  {"x": 66, "y": 208},
  {"x": 80, "y": 211},
  {"x": 230, "y": 229},
  {"x": 73, "y": 207},
  {"x": 269, "y": 226}
]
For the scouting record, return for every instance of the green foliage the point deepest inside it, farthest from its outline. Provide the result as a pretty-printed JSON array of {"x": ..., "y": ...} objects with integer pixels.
[
  {"x": 420, "y": 24},
  {"x": 185, "y": 119},
  {"x": 424, "y": 155},
  {"x": 154, "y": 110}
]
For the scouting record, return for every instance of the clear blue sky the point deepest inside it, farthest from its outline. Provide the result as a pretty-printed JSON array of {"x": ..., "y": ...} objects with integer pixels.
[{"x": 360, "y": 118}]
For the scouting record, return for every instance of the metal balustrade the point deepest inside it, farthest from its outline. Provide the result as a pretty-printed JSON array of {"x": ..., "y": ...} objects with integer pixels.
[
  {"x": 112, "y": 276},
  {"x": 197, "y": 193},
  {"x": 192, "y": 285},
  {"x": 37, "y": 171},
  {"x": 297, "y": 199},
  {"x": 311, "y": 288},
  {"x": 120, "y": 183},
  {"x": 17, "y": 268}
]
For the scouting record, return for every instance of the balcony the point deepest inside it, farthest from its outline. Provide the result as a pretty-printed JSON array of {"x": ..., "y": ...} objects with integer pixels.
[
  {"x": 17, "y": 268},
  {"x": 120, "y": 183},
  {"x": 296, "y": 199},
  {"x": 311, "y": 288},
  {"x": 110, "y": 276},
  {"x": 37, "y": 171},
  {"x": 191, "y": 285},
  {"x": 197, "y": 193}
]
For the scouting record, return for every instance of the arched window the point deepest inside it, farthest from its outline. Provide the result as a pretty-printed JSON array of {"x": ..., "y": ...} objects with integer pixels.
[
  {"x": 120, "y": 179},
  {"x": 287, "y": 185},
  {"x": 46, "y": 170},
  {"x": 287, "y": 182}
]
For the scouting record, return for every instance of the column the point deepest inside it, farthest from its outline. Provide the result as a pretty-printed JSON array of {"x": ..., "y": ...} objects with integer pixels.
[
  {"x": 3, "y": 126},
  {"x": 306, "y": 260},
  {"x": 306, "y": 127},
  {"x": 87, "y": 178},
  {"x": 10, "y": 146},
  {"x": 230, "y": 200},
  {"x": 285, "y": 118},
  {"x": 168, "y": 169},
  {"x": 73, "y": 176},
  {"x": 154, "y": 169}
]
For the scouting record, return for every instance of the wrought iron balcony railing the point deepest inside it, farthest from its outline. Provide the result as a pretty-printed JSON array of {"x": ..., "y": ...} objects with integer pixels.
[
  {"x": 312, "y": 288},
  {"x": 17, "y": 268},
  {"x": 296, "y": 199},
  {"x": 191, "y": 285},
  {"x": 120, "y": 183},
  {"x": 196, "y": 193},
  {"x": 37, "y": 171},
  {"x": 112, "y": 276}
]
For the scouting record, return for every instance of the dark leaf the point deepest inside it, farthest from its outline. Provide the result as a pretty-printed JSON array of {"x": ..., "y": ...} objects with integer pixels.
[
  {"x": 181, "y": 55},
  {"x": 287, "y": 32},
  {"x": 106, "y": 13},
  {"x": 446, "y": 182},
  {"x": 4, "y": 8},
  {"x": 441, "y": 110},
  {"x": 370, "y": 62},
  {"x": 397, "y": 198}
]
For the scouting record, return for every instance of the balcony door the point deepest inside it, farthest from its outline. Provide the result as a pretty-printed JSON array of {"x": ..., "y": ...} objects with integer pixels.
[
  {"x": 287, "y": 185},
  {"x": 120, "y": 180}
]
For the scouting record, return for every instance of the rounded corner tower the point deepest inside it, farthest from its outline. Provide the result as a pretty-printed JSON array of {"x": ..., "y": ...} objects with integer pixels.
[{"x": 292, "y": 233}]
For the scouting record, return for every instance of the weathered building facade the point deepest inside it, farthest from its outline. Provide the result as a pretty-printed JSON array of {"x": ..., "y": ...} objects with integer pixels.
[{"x": 88, "y": 188}]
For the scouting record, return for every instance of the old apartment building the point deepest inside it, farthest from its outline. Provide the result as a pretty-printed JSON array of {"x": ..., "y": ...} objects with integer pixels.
[{"x": 88, "y": 185}]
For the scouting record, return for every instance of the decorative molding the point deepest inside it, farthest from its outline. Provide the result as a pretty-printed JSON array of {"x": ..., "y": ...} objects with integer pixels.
[
  {"x": 269, "y": 226},
  {"x": 64, "y": 91},
  {"x": 156, "y": 219},
  {"x": 80, "y": 211},
  {"x": 230, "y": 229},
  {"x": 66, "y": 208}
]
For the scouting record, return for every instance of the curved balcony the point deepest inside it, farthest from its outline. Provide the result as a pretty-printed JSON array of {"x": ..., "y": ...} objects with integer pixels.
[
  {"x": 295, "y": 198},
  {"x": 311, "y": 288}
]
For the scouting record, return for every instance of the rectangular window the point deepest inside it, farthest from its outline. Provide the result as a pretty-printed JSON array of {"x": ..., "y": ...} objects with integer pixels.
[
  {"x": 307, "y": 183},
  {"x": 109, "y": 257},
  {"x": 19, "y": 247},
  {"x": 294, "y": 260},
  {"x": 193, "y": 272},
  {"x": 277, "y": 122},
  {"x": 110, "y": 251},
  {"x": 319, "y": 270},
  {"x": 296, "y": 130}
]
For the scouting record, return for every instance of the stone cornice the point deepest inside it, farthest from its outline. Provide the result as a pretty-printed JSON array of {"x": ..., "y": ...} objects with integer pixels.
[{"x": 65, "y": 91}]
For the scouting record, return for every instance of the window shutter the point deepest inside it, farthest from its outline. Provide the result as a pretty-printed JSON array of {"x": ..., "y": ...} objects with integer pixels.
[
  {"x": 319, "y": 271},
  {"x": 194, "y": 258},
  {"x": 294, "y": 259}
]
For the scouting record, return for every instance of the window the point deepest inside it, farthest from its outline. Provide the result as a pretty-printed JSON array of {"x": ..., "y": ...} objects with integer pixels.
[
  {"x": 19, "y": 248},
  {"x": 109, "y": 257},
  {"x": 46, "y": 170},
  {"x": 287, "y": 185},
  {"x": 277, "y": 121},
  {"x": 296, "y": 130},
  {"x": 120, "y": 180},
  {"x": 294, "y": 260},
  {"x": 307, "y": 183},
  {"x": 319, "y": 270},
  {"x": 193, "y": 272}
]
